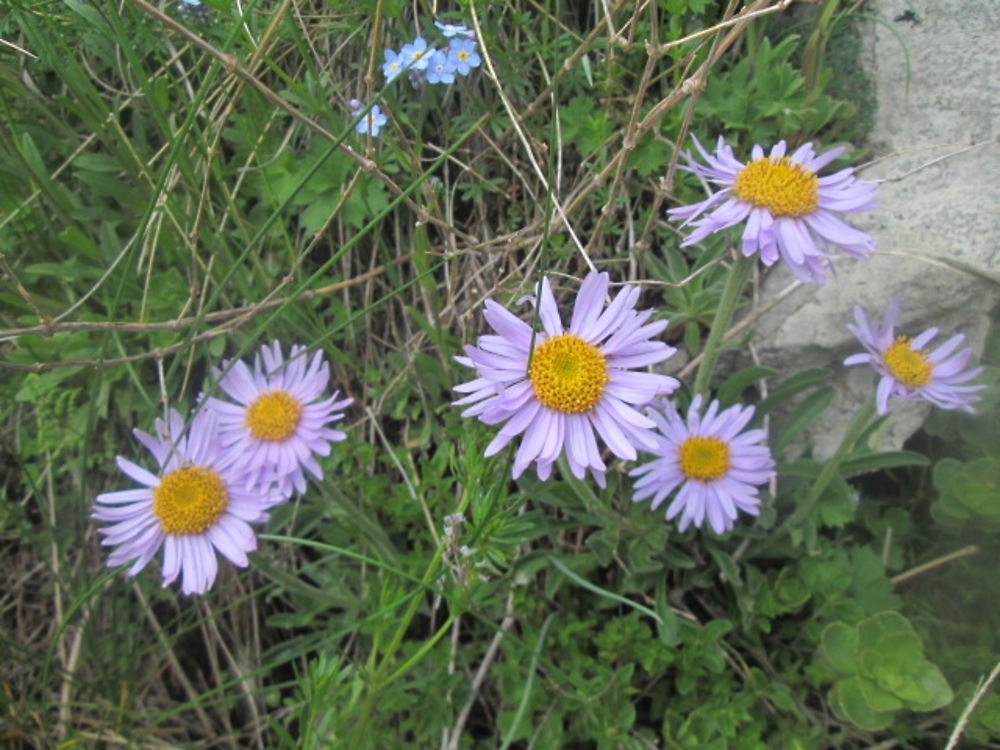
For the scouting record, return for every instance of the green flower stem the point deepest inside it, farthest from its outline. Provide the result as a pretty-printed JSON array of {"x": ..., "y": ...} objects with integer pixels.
[
  {"x": 861, "y": 421},
  {"x": 723, "y": 317}
]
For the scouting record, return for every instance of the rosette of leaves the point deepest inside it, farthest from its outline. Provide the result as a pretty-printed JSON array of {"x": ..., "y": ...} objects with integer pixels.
[{"x": 882, "y": 669}]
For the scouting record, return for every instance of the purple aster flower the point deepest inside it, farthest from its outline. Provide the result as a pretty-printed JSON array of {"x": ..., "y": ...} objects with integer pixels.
[
  {"x": 454, "y": 29},
  {"x": 790, "y": 211},
  {"x": 372, "y": 122},
  {"x": 560, "y": 385},
  {"x": 415, "y": 54},
  {"x": 463, "y": 55},
  {"x": 194, "y": 508},
  {"x": 279, "y": 422},
  {"x": 717, "y": 466},
  {"x": 440, "y": 68},
  {"x": 393, "y": 65},
  {"x": 907, "y": 370}
]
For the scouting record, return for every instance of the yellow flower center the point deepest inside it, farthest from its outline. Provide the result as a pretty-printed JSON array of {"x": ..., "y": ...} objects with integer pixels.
[
  {"x": 463, "y": 55},
  {"x": 907, "y": 366},
  {"x": 274, "y": 416},
  {"x": 704, "y": 458},
  {"x": 417, "y": 55},
  {"x": 568, "y": 374},
  {"x": 783, "y": 187},
  {"x": 189, "y": 500}
]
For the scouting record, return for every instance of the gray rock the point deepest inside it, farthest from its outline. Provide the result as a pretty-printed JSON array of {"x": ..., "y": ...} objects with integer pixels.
[{"x": 937, "y": 156}]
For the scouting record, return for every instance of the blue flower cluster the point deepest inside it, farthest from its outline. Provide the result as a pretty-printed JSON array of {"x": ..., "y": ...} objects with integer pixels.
[
  {"x": 435, "y": 65},
  {"x": 424, "y": 64}
]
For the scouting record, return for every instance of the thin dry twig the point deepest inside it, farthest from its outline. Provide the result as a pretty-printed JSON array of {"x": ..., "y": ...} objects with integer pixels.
[
  {"x": 977, "y": 696},
  {"x": 525, "y": 142},
  {"x": 935, "y": 563},
  {"x": 232, "y": 318},
  {"x": 484, "y": 668}
]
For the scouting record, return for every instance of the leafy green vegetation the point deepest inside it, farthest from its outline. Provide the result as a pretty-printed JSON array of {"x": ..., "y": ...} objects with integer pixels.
[{"x": 178, "y": 188}]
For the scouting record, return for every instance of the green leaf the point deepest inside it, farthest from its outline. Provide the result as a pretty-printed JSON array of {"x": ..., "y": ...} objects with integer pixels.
[
  {"x": 715, "y": 629},
  {"x": 650, "y": 156},
  {"x": 968, "y": 492},
  {"x": 97, "y": 163},
  {"x": 668, "y": 627},
  {"x": 732, "y": 388},
  {"x": 879, "y": 461},
  {"x": 793, "y": 386},
  {"x": 876, "y": 698},
  {"x": 869, "y": 586},
  {"x": 848, "y": 703},
  {"x": 839, "y": 645},
  {"x": 900, "y": 651},
  {"x": 65, "y": 271},
  {"x": 318, "y": 210},
  {"x": 805, "y": 412},
  {"x": 726, "y": 564},
  {"x": 790, "y": 591},
  {"x": 80, "y": 242},
  {"x": 838, "y": 504},
  {"x": 692, "y": 337},
  {"x": 885, "y": 624},
  {"x": 926, "y": 689}
]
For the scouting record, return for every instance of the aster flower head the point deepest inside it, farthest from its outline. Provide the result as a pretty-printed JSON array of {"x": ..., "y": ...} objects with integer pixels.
[
  {"x": 193, "y": 508},
  {"x": 454, "y": 29},
  {"x": 372, "y": 122},
  {"x": 440, "y": 68},
  {"x": 462, "y": 53},
  {"x": 907, "y": 370},
  {"x": 415, "y": 54},
  {"x": 717, "y": 466},
  {"x": 561, "y": 385},
  {"x": 790, "y": 211},
  {"x": 279, "y": 421}
]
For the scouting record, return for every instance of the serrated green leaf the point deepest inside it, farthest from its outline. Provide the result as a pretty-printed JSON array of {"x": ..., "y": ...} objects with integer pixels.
[{"x": 838, "y": 504}]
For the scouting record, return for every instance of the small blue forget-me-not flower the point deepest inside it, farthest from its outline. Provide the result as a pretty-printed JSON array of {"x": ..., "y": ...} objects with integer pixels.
[
  {"x": 440, "y": 68},
  {"x": 462, "y": 52},
  {"x": 372, "y": 122},
  {"x": 454, "y": 29}
]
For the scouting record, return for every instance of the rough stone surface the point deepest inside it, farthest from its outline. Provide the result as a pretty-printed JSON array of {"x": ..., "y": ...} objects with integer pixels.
[{"x": 936, "y": 152}]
